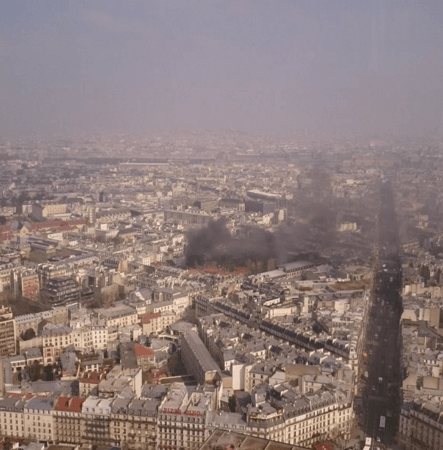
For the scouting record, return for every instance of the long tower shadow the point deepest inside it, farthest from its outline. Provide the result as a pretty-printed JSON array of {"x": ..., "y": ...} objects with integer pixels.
[{"x": 381, "y": 397}]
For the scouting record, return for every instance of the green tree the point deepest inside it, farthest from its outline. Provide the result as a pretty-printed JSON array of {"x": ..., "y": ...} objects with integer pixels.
[
  {"x": 35, "y": 371},
  {"x": 28, "y": 334}
]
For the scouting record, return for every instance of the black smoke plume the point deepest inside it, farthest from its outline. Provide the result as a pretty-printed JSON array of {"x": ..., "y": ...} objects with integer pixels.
[{"x": 214, "y": 242}]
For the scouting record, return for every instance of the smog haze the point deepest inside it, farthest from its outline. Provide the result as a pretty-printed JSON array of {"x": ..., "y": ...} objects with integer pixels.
[{"x": 269, "y": 67}]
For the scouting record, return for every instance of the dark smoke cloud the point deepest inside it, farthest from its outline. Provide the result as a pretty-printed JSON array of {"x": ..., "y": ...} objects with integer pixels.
[
  {"x": 215, "y": 243},
  {"x": 313, "y": 228}
]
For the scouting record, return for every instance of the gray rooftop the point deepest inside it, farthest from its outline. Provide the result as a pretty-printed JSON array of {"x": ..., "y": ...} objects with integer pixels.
[
  {"x": 41, "y": 404},
  {"x": 200, "y": 351}
]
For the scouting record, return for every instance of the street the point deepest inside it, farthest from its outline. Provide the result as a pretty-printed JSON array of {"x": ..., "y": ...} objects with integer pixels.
[{"x": 381, "y": 394}]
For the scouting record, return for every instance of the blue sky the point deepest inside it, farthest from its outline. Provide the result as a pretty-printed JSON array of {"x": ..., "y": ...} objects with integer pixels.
[{"x": 278, "y": 67}]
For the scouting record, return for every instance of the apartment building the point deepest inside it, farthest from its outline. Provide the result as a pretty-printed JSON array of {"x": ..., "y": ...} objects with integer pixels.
[
  {"x": 99, "y": 336},
  {"x": 39, "y": 419},
  {"x": 8, "y": 333},
  {"x": 30, "y": 285},
  {"x": 29, "y": 357},
  {"x": 96, "y": 424},
  {"x": 11, "y": 414},
  {"x": 89, "y": 381},
  {"x": 163, "y": 307},
  {"x": 145, "y": 356},
  {"x": 305, "y": 420},
  {"x": 6, "y": 276},
  {"x": 119, "y": 379},
  {"x": 112, "y": 215},
  {"x": 181, "y": 303},
  {"x": 68, "y": 419},
  {"x": 119, "y": 315},
  {"x": 141, "y": 424},
  {"x": 197, "y": 359},
  {"x": 134, "y": 420},
  {"x": 54, "y": 340},
  {"x": 157, "y": 322},
  {"x": 257, "y": 374},
  {"x": 61, "y": 291},
  {"x": 58, "y": 315},
  {"x": 188, "y": 218},
  {"x": 48, "y": 271},
  {"x": 421, "y": 425},
  {"x": 182, "y": 417},
  {"x": 232, "y": 439},
  {"x": 43, "y": 210},
  {"x": 119, "y": 416}
]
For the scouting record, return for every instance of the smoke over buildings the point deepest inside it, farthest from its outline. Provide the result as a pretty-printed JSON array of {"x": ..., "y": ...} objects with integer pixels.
[{"x": 214, "y": 242}]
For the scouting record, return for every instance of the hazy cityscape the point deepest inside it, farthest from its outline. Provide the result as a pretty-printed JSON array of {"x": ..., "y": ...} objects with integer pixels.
[{"x": 221, "y": 225}]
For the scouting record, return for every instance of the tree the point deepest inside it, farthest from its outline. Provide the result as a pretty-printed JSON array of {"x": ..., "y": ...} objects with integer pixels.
[
  {"x": 35, "y": 371},
  {"x": 425, "y": 273},
  {"x": 28, "y": 334}
]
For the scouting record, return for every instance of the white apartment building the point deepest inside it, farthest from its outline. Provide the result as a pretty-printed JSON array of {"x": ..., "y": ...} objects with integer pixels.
[
  {"x": 99, "y": 336},
  {"x": 96, "y": 413},
  {"x": 55, "y": 339},
  {"x": 181, "y": 303},
  {"x": 182, "y": 417},
  {"x": 11, "y": 415},
  {"x": 119, "y": 315},
  {"x": 421, "y": 425},
  {"x": 157, "y": 322},
  {"x": 306, "y": 421},
  {"x": 39, "y": 419},
  {"x": 161, "y": 307},
  {"x": 82, "y": 339}
]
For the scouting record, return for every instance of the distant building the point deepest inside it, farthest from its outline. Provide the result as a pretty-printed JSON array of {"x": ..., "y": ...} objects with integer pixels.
[
  {"x": 297, "y": 267},
  {"x": 89, "y": 381},
  {"x": 119, "y": 315},
  {"x": 8, "y": 333},
  {"x": 145, "y": 356},
  {"x": 43, "y": 210},
  {"x": 260, "y": 206},
  {"x": 254, "y": 193},
  {"x": 6, "y": 276},
  {"x": 157, "y": 322},
  {"x": 232, "y": 203},
  {"x": 30, "y": 285},
  {"x": 49, "y": 271},
  {"x": 207, "y": 204},
  {"x": 187, "y": 217},
  {"x": 61, "y": 291}
]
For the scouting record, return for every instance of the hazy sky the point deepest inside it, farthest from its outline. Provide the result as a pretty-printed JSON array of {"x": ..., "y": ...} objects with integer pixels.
[{"x": 276, "y": 66}]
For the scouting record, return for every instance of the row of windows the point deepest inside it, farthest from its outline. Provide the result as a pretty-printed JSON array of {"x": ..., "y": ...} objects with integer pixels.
[{"x": 11, "y": 427}]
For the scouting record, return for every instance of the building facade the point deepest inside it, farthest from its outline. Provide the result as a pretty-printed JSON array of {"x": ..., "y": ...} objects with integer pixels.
[{"x": 8, "y": 333}]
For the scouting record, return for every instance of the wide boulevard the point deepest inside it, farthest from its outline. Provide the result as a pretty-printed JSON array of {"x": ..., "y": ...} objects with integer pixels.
[{"x": 381, "y": 396}]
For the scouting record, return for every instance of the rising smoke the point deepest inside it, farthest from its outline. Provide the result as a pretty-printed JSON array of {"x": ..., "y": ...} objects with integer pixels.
[
  {"x": 314, "y": 228},
  {"x": 214, "y": 242}
]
